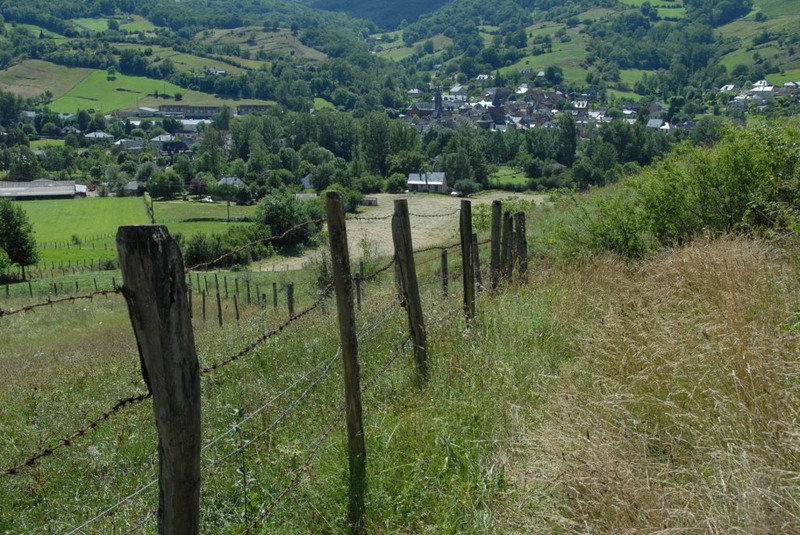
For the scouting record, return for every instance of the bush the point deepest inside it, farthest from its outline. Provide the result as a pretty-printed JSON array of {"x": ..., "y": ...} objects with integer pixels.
[{"x": 397, "y": 183}]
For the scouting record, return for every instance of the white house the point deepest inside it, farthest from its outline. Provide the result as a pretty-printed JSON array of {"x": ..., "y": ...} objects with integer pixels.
[{"x": 427, "y": 182}]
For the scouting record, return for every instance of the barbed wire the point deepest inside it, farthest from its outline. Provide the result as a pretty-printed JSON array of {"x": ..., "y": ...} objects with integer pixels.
[
  {"x": 51, "y": 302},
  {"x": 79, "y": 433},
  {"x": 366, "y": 218},
  {"x": 266, "y": 336},
  {"x": 454, "y": 212},
  {"x": 106, "y": 511},
  {"x": 253, "y": 244},
  {"x": 296, "y": 474},
  {"x": 436, "y": 248},
  {"x": 295, "y": 477},
  {"x": 280, "y": 417},
  {"x": 142, "y": 522},
  {"x": 364, "y": 332},
  {"x": 378, "y": 271}
]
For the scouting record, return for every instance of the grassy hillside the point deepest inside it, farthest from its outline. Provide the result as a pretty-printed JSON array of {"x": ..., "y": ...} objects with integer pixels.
[
  {"x": 609, "y": 392},
  {"x": 32, "y": 77},
  {"x": 104, "y": 95}
]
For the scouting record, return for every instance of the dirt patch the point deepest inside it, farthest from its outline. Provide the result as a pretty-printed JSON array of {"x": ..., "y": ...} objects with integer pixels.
[{"x": 434, "y": 221}]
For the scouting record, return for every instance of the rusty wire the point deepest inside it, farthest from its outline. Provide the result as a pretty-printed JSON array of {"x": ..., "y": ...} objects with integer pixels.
[
  {"x": 79, "y": 433},
  {"x": 51, "y": 302},
  {"x": 253, "y": 244},
  {"x": 295, "y": 477}
]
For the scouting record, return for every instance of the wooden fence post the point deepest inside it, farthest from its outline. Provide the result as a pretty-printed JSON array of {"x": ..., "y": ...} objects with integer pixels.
[
  {"x": 274, "y": 297},
  {"x": 219, "y": 309},
  {"x": 154, "y": 287},
  {"x": 343, "y": 285},
  {"x": 466, "y": 259},
  {"x": 404, "y": 260},
  {"x": 358, "y": 291},
  {"x": 445, "y": 280},
  {"x": 505, "y": 250},
  {"x": 290, "y": 298},
  {"x": 476, "y": 263},
  {"x": 521, "y": 245},
  {"x": 494, "y": 255},
  {"x": 204, "y": 305},
  {"x": 236, "y": 305}
]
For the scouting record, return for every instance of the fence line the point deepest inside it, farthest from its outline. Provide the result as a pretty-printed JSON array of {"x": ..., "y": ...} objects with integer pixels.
[
  {"x": 59, "y": 300},
  {"x": 307, "y": 462},
  {"x": 261, "y": 339},
  {"x": 252, "y": 244},
  {"x": 79, "y": 433},
  {"x": 123, "y": 501},
  {"x": 328, "y": 366},
  {"x": 295, "y": 476}
]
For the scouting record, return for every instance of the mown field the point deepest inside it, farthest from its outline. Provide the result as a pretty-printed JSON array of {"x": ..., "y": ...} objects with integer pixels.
[
  {"x": 31, "y": 77},
  {"x": 178, "y": 216},
  {"x": 93, "y": 221}
]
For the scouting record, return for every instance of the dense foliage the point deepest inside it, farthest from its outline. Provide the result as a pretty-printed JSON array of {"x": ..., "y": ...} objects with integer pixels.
[
  {"x": 17, "y": 243},
  {"x": 749, "y": 182}
]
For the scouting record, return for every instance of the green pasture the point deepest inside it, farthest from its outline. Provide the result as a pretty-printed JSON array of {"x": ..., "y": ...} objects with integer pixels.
[
  {"x": 747, "y": 28},
  {"x": 630, "y": 76},
  {"x": 33, "y": 76},
  {"x": 508, "y": 175},
  {"x": 566, "y": 55},
  {"x": 40, "y": 143},
  {"x": 92, "y": 24},
  {"x": 789, "y": 75},
  {"x": 38, "y": 30},
  {"x": 104, "y": 95},
  {"x": 776, "y": 8},
  {"x": 136, "y": 23},
  {"x": 183, "y": 62},
  {"x": 253, "y": 38},
  {"x": 321, "y": 104},
  {"x": 176, "y": 215},
  {"x": 93, "y": 220},
  {"x": 671, "y": 12}
]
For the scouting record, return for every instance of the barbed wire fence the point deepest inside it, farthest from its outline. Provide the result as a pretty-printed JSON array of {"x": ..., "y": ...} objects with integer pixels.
[{"x": 319, "y": 371}]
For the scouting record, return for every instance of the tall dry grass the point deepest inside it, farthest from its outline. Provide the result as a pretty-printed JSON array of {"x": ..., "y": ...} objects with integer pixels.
[{"x": 681, "y": 413}]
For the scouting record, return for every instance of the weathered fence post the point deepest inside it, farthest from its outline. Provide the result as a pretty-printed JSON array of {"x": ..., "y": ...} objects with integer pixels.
[
  {"x": 236, "y": 305},
  {"x": 444, "y": 272},
  {"x": 521, "y": 243},
  {"x": 494, "y": 255},
  {"x": 505, "y": 250},
  {"x": 466, "y": 259},
  {"x": 204, "y": 305},
  {"x": 248, "y": 291},
  {"x": 219, "y": 310},
  {"x": 358, "y": 291},
  {"x": 476, "y": 263},
  {"x": 343, "y": 285},
  {"x": 274, "y": 297},
  {"x": 404, "y": 260},
  {"x": 290, "y": 298},
  {"x": 155, "y": 290}
]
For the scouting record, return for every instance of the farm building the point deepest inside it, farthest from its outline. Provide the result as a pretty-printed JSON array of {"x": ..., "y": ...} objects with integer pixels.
[
  {"x": 430, "y": 182},
  {"x": 41, "y": 189}
]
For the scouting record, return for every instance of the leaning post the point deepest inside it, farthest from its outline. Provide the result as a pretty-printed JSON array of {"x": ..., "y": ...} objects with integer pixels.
[
  {"x": 343, "y": 285},
  {"x": 154, "y": 287}
]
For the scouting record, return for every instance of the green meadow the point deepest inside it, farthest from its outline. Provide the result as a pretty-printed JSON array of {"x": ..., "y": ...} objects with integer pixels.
[
  {"x": 31, "y": 77},
  {"x": 93, "y": 221},
  {"x": 183, "y": 62},
  {"x": 180, "y": 216}
]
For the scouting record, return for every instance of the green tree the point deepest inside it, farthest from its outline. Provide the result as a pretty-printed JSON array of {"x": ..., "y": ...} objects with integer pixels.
[
  {"x": 16, "y": 236},
  {"x": 566, "y": 139},
  {"x": 281, "y": 214}
]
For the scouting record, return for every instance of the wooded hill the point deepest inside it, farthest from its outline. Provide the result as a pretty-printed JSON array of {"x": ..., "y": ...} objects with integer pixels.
[{"x": 626, "y": 49}]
